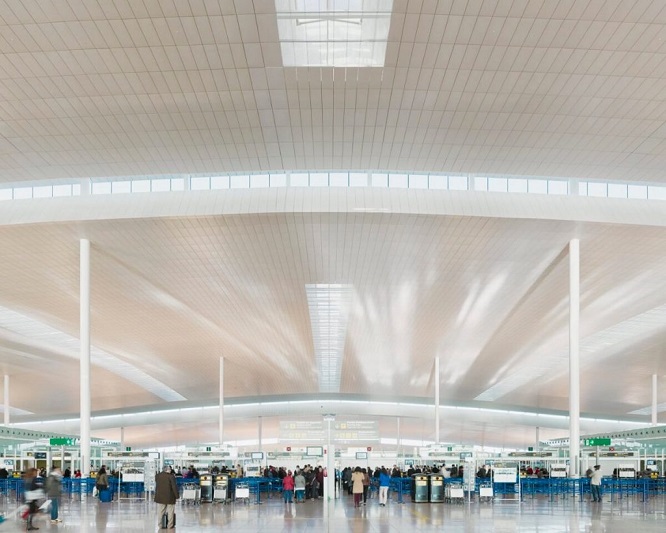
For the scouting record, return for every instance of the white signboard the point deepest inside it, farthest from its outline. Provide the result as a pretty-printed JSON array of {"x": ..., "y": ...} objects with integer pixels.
[{"x": 505, "y": 475}]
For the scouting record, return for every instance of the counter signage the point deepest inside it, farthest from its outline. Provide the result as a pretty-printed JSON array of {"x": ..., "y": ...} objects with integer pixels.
[{"x": 505, "y": 475}]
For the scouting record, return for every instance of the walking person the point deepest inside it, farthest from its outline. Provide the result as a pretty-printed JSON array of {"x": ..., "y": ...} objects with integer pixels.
[
  {"x": 166, "y": 494},
  {"x": 595, "y": 483},
  {"x": 33, "y": 492},
  {"x": 357, "y": 486},
  {"x": 366, "y": 485},
  {"x": 101, "y": 481},
  {"x": 53, "y": 492},
  {"x": 384, "y": 482}
]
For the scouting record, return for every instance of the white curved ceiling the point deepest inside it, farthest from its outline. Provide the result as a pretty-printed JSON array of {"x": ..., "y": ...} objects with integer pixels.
[
  {"x": 522, "y": 87},
  {"x": 529, "y": 87},
  {"x": 486, "y": 294}
]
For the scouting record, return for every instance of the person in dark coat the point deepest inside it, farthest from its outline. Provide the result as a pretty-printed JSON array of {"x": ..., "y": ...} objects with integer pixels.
[{"x": 166, "y": 494}]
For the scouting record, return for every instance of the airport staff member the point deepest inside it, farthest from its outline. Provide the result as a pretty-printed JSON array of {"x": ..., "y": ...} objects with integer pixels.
[{"x": 166, "y": 494}]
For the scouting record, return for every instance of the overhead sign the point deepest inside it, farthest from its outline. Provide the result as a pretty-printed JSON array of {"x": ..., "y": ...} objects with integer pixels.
[
  {"x": 596, "y": 442},
  {"x": 341, "y": 431},
  {"x": 63, "y": 441},
  {"x": 530, "y": 454},
  {"x": 127, "y": 454},
  {"x": 40, "y": 455}
]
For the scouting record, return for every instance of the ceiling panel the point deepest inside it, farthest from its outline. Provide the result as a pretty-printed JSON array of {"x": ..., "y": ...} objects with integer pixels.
[{"x": 568, "y": 89}]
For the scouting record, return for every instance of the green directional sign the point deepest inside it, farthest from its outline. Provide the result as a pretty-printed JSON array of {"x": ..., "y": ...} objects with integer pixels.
[
  {"x": 596, "y": 442},
  {"x": 62, "y": 441}
]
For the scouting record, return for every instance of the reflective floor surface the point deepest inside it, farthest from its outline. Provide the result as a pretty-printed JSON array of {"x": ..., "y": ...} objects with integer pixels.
[{"x": 272, "y": 516}]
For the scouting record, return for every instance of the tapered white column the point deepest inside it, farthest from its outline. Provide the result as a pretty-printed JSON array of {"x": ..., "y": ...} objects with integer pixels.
[
  {"x": 574, "y": 357},
  {"x": 84, "y": 336},
  {"x": 6, "y": 403},
  {"x": 259, "y": 430},
  {"x": 221, "y": 414},
  {"x": 437, "y": 380},
  {"x": 654, "y": 399}
]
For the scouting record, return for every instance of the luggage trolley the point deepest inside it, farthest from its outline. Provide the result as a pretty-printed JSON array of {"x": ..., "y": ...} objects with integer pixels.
[
  {"x": 486, "y": 491},
  {"x": 191, "y": 494},
  {"x": 454, "y": 493},
  {"x": 220, "y": 487},
  {"x": 242, "y": 492}
]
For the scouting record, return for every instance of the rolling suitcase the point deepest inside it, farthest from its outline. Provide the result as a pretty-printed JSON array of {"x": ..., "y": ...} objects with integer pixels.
[{"x": 165, "y": 520}]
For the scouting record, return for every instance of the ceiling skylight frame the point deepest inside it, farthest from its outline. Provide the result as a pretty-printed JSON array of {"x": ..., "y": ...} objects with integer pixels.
[
  {"x": 330, "y": 305},
  {"x": 333, "y": 33}
]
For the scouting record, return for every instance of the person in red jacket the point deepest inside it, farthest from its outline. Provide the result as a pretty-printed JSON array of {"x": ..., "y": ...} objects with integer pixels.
[{"x": 288, "y": 487}]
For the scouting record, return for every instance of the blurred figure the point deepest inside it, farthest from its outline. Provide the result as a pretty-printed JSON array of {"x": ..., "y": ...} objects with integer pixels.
[{"x": 53, "y": 491}]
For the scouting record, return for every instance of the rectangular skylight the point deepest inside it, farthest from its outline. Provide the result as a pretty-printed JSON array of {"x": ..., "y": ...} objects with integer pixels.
[
  {"x": 333, "y": 33},
  {"x": 329, "y": 313}
]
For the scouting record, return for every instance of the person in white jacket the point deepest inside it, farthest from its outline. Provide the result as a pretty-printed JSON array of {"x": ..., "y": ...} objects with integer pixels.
[{"x": 595, "y": 483}]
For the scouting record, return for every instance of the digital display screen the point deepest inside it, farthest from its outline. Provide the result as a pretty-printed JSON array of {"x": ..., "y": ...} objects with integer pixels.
[
  {"x": 314, "y": 451},
  {"x": 257, "y": 455},
  {"x": 361, "y": 455}
]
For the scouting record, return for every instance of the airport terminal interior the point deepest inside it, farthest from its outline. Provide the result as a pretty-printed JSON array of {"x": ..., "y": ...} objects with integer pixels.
[{"x": 239, "y": 237}]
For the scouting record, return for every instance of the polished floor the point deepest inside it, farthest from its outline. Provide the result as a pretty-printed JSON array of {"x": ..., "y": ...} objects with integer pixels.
[{"x": 273, "y": 516}]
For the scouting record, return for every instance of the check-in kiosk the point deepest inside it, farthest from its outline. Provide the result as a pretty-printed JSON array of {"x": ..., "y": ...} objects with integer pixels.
[
  {"x": 206, "y": 484},
  {"x": 420, "y": 488},
  {"x": 436, "y": 488},
  {"x": 220, "y": 487}
]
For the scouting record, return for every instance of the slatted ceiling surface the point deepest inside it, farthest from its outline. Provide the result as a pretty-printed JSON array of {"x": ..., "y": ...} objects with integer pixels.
[
  {"x": 526, "y": 87},
  {"x": 173, "y": 295}
]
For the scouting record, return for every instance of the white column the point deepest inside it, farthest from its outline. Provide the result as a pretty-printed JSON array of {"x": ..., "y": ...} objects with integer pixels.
[
  {"x": 6, "y": 404},
  {"x": 574, "y": 359},
  {"x": 85, "y": 357},
  {"x": 654, "y": 399},
  {"x": 437, "y": 380},
  {"x": 122, "y": 438},
  {"x": 537, "y": 445},
  {"x": 398, "y": 431},
  {"x": 259, "y": 429},
  {"x": 221, "y": 414},
  {"x": 329, "y": 481}
]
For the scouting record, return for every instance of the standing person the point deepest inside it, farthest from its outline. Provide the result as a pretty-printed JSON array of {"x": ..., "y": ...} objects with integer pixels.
[
  {"x": 166, "y": 494},
  {"x": 384, "y": 482},
  {"x": 53, "y": 491},
  {"x": 366, "y": 485},
  {"x": 288, "y": 487},
  {"x": 101, "y": 481},
  {"x": 357, "y": 485},
  {"x": 595, "y": 483},
  {"x": 299, "y": 486},
  {"x": 32, "y": 486}
]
